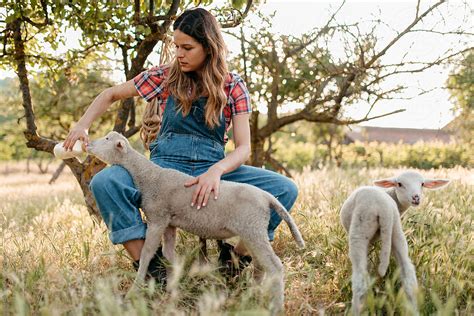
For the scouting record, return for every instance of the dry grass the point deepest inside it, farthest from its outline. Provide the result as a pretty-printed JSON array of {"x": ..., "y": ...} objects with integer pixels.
[{"x": 56, "y": 260}]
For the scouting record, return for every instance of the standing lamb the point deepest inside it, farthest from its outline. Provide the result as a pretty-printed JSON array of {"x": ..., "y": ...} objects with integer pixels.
[
  {"x": 371, "y": 212},
  {"x": 241, "y": 210}
]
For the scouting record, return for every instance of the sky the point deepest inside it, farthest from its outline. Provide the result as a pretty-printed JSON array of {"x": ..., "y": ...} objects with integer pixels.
[{"x": 430, "y": 110}]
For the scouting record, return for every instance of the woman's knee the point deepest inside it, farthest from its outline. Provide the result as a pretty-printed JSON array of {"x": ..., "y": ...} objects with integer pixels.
[
  {"x": 290, "y": 190},
  {"x": 100, "y": 181},
  {"x": 104, "y": 180}
]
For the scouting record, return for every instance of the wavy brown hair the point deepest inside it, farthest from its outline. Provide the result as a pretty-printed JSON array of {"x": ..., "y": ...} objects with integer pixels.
[{"x": 186, "y": 87}]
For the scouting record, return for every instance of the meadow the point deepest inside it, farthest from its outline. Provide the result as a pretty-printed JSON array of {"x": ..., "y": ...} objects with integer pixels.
[{"x": 56, "y": 259}]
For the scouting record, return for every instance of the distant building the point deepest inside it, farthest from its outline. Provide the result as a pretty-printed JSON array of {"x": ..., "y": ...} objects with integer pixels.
[{"x": 396, "y": 135}]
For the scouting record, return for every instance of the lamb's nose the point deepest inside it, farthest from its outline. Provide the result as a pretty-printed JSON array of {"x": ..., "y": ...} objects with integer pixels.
[{"x": 416, "y": 199}]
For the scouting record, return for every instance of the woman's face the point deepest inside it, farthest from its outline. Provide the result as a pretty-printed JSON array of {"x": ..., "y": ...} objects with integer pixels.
[{"x": 189, "y": 52}]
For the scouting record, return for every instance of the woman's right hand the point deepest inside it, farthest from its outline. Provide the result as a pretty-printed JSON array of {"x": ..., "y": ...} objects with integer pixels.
[
  {"x": 100, "y": 104},
  {"x": 77, "y": 132}
]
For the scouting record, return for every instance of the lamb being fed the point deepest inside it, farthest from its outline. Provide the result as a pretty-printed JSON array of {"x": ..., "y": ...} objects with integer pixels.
[
  {"x": 371, "y": 212},
  {"x": 241, "y": 210}
]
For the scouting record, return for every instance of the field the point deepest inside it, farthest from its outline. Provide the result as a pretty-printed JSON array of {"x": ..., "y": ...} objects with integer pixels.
[{"x": 56, "y": 260}]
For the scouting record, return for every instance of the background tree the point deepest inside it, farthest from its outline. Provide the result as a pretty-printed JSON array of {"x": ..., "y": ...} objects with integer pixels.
[
  {"x": 461, "y": 86},
  {"x": 282, "y": 69},
  {"x": 28, "y": 27}
]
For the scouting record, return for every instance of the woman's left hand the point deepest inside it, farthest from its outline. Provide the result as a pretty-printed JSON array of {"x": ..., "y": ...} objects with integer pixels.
[{"x": 205, "y": 184}]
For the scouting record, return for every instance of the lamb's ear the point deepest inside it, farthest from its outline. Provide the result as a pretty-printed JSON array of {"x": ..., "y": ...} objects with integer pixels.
[
  {"x": 120, "y": 146},
  {"x": 386, "y": 183},
  {"x": 435, "y": 183}
]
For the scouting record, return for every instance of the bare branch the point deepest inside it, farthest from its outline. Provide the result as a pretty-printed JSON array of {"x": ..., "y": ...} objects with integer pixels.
[
  {"x": 323, "y": 30},
  {"x": 365, "y": 119},
  {"x": 443, "y": 33},
  {"x": 405, "y": 31},
  {"x": 421, "y": 69}
]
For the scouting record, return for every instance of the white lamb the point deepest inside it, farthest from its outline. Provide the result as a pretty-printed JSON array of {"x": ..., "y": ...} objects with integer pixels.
[
  {"x": 241, "y": 210},
  {"x": 371, "y": 212}
]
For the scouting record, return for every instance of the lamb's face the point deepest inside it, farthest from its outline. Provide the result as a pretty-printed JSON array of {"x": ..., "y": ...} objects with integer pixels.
[
  {"x": 408, "y": 188},
  {"x": 110, "y": 148}
]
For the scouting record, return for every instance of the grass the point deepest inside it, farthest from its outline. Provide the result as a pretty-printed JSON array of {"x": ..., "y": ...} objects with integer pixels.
[{"x": 56, "y": 260}]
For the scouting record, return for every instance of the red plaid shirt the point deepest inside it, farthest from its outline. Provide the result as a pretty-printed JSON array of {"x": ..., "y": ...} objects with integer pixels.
[{"x": 150, "y": 84}]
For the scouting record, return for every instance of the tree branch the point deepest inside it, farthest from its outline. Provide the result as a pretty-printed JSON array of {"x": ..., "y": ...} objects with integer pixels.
[
  {"x": 405, "y": 31},
  {"x": 323, "y": 30},
  {"x": 236, "y": 17},
  {"x": 365, "y": 119}
]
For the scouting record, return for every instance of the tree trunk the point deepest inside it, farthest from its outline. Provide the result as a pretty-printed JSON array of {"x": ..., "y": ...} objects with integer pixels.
[
  {"x": 257, "y": 154},
  {"x": 83, "y": 172}
]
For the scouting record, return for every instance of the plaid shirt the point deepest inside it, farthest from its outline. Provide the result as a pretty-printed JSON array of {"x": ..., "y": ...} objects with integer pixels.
[{"x": 150, "y": 84}]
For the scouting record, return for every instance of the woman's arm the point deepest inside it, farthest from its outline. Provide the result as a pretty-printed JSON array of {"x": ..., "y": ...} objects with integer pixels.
[
  {"x": 209, "y": 181},
  {"x": 241, "y": 132},
  {"x": 101, "y": 103}
]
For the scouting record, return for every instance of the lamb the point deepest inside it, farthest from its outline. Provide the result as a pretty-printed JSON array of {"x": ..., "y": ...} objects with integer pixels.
[
  {"x": 241, "y": 210},
  {"x": 371, "y": 212}
]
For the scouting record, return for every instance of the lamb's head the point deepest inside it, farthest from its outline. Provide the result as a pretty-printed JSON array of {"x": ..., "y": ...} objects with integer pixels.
[
  {"x": 408, "y": 187},
  {"x": 111, "y": 149}
]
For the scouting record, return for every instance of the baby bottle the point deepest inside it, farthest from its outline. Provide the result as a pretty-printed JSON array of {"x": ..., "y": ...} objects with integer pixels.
[{"x": 77, "y": 150}]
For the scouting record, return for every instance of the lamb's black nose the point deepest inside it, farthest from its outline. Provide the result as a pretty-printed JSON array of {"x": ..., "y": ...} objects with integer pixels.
[{"x": 416, "y": 199}]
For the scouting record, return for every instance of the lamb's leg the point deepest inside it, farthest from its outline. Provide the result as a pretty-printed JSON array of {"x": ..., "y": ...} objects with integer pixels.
[
  {"x": 169, "y": 243},
  {"x": 408, "y": 274},
  {"x": 359, "y": 239},
  {"x": 152, "y": 242},
  {"x": 265, "y": 257}
]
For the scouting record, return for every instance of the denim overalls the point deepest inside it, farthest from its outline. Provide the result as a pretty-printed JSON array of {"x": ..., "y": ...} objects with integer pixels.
[{"x": 185, "y": 144}]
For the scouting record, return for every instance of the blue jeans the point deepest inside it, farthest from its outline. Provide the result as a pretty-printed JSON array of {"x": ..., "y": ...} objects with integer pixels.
[{"x": 118, "y": 199}]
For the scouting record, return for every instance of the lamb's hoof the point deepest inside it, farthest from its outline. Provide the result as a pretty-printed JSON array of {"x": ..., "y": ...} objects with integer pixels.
[
  {"x": 382, "y": 269},
  {"x": 133, "y": 291},
  {"x": 156, "y": 268},
  {"x": 231, "y": 264}
]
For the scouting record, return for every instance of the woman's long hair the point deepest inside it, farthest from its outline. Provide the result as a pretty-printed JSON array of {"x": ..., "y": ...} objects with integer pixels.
[
  {"x": 203, "y": 27},
  {"x": 185, "y": 87}
]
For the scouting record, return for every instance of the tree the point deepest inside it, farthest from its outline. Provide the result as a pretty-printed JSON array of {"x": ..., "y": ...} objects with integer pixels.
[
  {"x": 461, "y": 86},
  {"x": 282, "y": 69},
  {"x": 27, "y": 26}
]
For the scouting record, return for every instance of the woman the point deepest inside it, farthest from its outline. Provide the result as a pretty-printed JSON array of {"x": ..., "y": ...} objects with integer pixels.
[{"x": 195, "y": 100}]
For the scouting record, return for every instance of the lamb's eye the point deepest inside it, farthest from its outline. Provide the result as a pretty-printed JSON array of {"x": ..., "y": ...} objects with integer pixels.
[
  {"x": 400, "y": 184},
  {"x": 422, "y": 184},
  {"x": 106, "y": 138}
]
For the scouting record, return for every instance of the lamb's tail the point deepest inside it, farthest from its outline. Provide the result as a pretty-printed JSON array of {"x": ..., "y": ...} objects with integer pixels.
[
  {"x": 386, "y": 228},
  {"x": 283, "y": 213}
]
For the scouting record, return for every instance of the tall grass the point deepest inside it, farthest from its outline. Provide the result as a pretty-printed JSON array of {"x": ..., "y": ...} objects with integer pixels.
[{"x": 56, "y": 260}]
